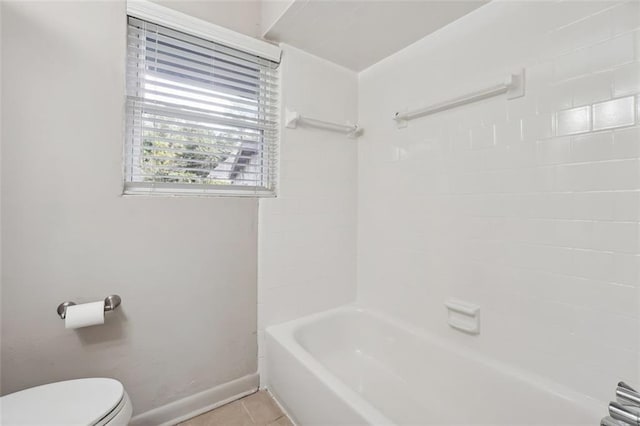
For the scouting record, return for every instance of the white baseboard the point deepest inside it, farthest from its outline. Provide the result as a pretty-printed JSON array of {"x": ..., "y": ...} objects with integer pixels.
[{"x": 201, "y": 402}]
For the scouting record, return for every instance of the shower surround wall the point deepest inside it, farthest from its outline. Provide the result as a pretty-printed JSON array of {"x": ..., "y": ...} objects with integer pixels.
[
  {"x": 307, "y": 236},
  {"x": 527, "y": 207}
]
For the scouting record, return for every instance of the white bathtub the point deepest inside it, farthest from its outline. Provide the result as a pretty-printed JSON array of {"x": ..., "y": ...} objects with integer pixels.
[{"x": 353, "y": 366}]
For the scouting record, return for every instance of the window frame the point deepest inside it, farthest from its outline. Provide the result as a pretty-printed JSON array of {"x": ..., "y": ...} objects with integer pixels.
[{"x": 166, "y": 17}]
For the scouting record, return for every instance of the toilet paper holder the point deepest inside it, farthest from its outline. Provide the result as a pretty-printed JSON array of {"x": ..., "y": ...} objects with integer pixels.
[{"x": 110, "y": 303}]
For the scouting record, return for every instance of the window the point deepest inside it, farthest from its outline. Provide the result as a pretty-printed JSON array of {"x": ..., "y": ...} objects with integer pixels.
[{"x": 202, "y": 117}]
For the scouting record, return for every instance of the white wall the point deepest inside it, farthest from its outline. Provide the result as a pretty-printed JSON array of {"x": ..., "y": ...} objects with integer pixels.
[
  {"x": 270, "y": 12},
  {"x": 307, "y": 240},
  {"x": 243, "y": 16},
  {"x": 185, "y": 267},
  {"x": 497, "y": 203}
]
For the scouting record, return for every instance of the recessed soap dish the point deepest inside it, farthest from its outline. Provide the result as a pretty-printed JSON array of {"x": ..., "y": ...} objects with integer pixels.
[{"x": 463, "y": 316}]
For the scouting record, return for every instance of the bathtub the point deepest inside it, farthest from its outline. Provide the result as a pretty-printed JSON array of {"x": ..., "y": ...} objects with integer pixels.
[{"x": 352, "y": 366}]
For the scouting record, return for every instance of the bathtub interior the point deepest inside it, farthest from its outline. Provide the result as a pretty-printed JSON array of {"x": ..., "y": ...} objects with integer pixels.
[{"x": 414, "y": 378}]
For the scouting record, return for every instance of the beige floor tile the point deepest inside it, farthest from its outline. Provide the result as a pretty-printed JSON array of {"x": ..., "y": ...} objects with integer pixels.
[
  {"x": 233, "y": 414},
  {"x": 262, "y": 408},
  {"x": 257, "y": 409}
]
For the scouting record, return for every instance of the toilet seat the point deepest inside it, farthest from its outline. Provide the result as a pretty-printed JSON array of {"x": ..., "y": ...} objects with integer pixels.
[
  {"x": 120, "y": 415},
  {"x": 86, "y": 402}
]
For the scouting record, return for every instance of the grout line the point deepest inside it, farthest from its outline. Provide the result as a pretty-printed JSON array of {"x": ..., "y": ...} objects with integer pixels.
[{"x": 248, "y": 412}]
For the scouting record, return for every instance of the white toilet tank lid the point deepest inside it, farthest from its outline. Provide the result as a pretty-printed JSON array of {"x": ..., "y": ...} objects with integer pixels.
[{"x": 72, "y": 402}]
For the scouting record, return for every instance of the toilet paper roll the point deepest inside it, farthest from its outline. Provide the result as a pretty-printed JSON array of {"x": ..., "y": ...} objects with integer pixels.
[{"x": 84, "y": 315}]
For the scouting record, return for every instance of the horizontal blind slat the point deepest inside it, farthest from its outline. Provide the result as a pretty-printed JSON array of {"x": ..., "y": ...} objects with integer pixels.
[
  {"x": 160, "y": 108},
  {"x": 218, "y": 130},
  {"x": 176, "y": 137},
  {"x": 217, "y": 158},
  {"x": 204, "y": 105},
  {"x": 138, "y": 49},
  {"x": 176, "y": 65},
  {"x": 160, "y": 188},
  {"x": 157, "y": 122},
  {"x": 187, "y": 41},
  {"x": 136, "y": 80},
  {"x": 213, "y": 172},
  {"x": 191, "y": 129},
  {"x": 185, "y": 76},
  {"x": 160, "y": 178}
]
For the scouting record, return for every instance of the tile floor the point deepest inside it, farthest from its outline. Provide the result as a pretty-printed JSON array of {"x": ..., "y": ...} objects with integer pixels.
[{"x": 255, "y": 409}]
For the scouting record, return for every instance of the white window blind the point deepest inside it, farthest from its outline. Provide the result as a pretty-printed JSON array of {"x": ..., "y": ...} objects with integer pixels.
[{"x": 202, "y": 118}]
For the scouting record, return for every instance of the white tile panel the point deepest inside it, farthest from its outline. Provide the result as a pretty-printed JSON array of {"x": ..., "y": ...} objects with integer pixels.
[
  {"x": 574, "y": 120},
  {"x": 540, "y": 225},
  {"x": 614, "y": 113}
]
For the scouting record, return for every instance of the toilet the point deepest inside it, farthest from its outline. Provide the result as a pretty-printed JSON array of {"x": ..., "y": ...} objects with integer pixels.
[{"x": 86, "y": 402}]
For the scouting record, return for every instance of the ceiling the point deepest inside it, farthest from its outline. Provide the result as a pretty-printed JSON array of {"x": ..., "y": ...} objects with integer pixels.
[{"x": 358, "y": 33}]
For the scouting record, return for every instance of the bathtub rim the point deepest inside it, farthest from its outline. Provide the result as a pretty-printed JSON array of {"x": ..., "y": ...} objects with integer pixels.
[{"x": 285, "y": 333}]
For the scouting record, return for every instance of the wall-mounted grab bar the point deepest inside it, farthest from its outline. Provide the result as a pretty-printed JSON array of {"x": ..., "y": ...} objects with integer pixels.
[
  {"x": 513, "y": 86},
  {"x": 292, "y": 119}
]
